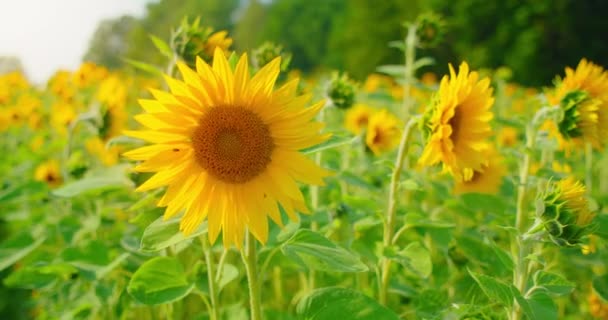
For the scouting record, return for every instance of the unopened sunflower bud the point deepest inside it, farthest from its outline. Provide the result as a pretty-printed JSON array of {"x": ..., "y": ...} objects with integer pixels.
[
  {"x": 580, "y": 116},
  {"x": 341, "y": 91},
  {"x": 191, "y": 40},
  {"x": 564, "y": 212},
  {"x": 430, "y": 30},
  {"x": 265, "y": 53}
]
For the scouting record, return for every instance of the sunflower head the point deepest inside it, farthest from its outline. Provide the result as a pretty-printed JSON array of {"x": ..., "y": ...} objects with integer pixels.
[
  {"x": 357, "y": 118},
  {"x": 49, "y": 173},
  {"x": 565, "y": 212},
  {"x": 580, "y": 118},
  {"x": 593, "y": 80},
  {"x": 383, "y": 132},
  {"x": 458, "y": 124},
  {"x": 488, "y": 179},
  {"x": 227, "y": 146},
  {"x": 341, "y": 90}
]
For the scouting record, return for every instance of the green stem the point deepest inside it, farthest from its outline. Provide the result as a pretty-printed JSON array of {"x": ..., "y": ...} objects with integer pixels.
[
  {"x": 214, "y": 307},
  {"x": 389, "y": 222},
  {"x": 410, "y": 58},
  {"x": 249, "y": 256},
  {"x": 314, "y": 200}
]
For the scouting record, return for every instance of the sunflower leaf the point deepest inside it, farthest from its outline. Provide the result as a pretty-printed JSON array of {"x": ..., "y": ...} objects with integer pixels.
[
  {"x": 159, "y": 280},
  {"x": 341, "y": 303},
  {"x": 316, "y": 252},
  {"x": 162, "y": 46}
]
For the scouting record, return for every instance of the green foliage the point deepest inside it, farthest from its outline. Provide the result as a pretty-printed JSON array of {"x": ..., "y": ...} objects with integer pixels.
[
  {"x": 316, "y": 252},
  {"x": 522, "y": 35},
  {"x": 332, "y": 303},
  {"x": 159, "y": 280}
]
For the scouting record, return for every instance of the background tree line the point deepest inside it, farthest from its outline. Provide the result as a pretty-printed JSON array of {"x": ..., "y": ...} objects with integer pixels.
[{"x": 535, "y": 38}]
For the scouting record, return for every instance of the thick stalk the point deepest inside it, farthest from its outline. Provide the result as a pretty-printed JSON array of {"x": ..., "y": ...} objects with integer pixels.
[
  {"x": 389, "y": 222},
  {"x": 214, "y": 312},
  {"x": 249, "y": 255}
]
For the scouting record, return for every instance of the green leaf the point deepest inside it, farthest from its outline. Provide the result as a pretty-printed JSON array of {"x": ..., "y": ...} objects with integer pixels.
[
  {"x": 162, "y": 46},
  {"x": 17, "y": 247},
  {"x": 316, "y": 252},
  {"x": 29, "y": 277},
  {"x": 92, "y": 257},
  {"x": 553, "y": 283},
  {"x": 162, "y": 233},
  {"x": 416, "y": 219},
  {"x": 504, "y": 258},
  {"x": 153, "y": 70},
  {"x": 336, "y": 140},
  {"x": 539, "y": 306},
  {"x": 416, "y": 258},
  {"x": 341, "y": 303},
  {"x": 394, "y": 70},
  {"x": 602, "y": 225},
  {"x": 399, "y": 44},
  {"x": 159, "y": 280},
  {"x": 600, "y": 285},
  {"x": 110, "y": 178},
  {"x": 423, "y": 62},
  {"x": 229, "y": 274},
  {"x": 28, "y": 188},
  {"x": 495, "y": 289}
]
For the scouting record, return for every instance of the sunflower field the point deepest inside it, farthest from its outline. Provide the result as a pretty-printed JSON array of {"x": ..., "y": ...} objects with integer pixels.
[{"x": 218, "y": 183}]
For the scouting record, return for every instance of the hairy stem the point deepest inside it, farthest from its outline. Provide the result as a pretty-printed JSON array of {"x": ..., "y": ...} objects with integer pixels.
[
  {"x": 249, "y": 255},
  {"x": 214, "y": 307},
  {"x": 389, "y": 222}
]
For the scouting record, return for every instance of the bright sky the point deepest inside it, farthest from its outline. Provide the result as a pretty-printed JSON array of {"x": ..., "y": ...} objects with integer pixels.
[{"x": 54, "y": 34}]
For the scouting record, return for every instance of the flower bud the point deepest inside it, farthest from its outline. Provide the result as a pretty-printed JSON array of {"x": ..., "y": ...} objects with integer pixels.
[
  {"x": 564, "y": 212},
  {"x": 341, "y": 91}
]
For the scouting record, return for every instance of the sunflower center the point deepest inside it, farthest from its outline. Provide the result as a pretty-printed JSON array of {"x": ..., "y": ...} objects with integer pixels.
[
  {"x": 455, "y": 123},
  {"x": 232, "y": 144}
]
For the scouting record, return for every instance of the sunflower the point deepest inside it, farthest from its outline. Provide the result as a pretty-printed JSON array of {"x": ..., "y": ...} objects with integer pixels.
[
  {"x": 487, "y": 180},
  {"x": 593, "y": 80},
  {"x": 459, "y": 124},
  {"x": 357, "y": 117},
  {"x": 383, "y": 132},
  {"x": 227, "y": 145},
  {"x": 565, "y": 213},
  {"x": 49, "y": 173}
]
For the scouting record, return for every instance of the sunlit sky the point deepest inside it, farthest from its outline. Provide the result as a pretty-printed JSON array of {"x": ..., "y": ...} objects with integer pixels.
[{"x": 51, "y": 34}]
